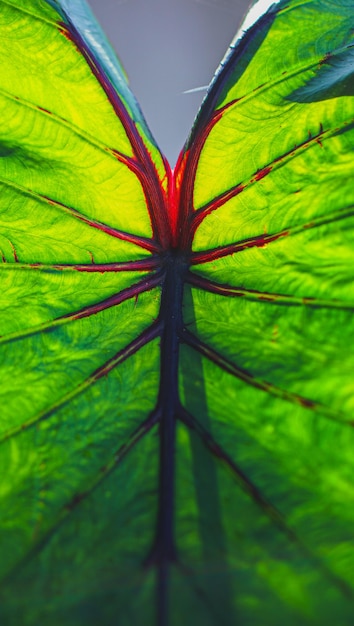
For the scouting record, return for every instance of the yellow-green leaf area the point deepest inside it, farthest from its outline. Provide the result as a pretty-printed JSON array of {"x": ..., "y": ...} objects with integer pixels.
[
  {"x": 57, "y": 293},
  {"x": 287, "y": 348},
  {"x": 30, "y": 36},
  {"x": 64, "y": 236},
  {"x": 295, "y": 265},
  {"x": 49, "y": 161},
  {"x": 286, "y": 176},
  {"x": 266, "y": 142},
  {"x": 249, "y": 583},
  {"x": 290, "y": 475}
]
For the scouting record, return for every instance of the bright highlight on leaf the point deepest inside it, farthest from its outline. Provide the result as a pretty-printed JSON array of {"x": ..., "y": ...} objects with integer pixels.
[{"x": 176, "y": 347}]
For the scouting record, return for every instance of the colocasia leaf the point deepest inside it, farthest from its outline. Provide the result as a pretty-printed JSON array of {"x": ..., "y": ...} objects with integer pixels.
[{"x": 177, "y": 394}]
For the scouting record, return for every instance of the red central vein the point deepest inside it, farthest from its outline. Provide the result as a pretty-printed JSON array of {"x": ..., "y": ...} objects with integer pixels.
[
  {"x": 169, "y": 324},
  {"x": 147, "y": 172},
  {"x": 185, "y": 184},
  {"x": 207, "y": 118}
]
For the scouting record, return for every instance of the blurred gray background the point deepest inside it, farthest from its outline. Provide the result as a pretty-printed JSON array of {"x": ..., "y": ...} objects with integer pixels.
[{"x": 168, "y": 47}]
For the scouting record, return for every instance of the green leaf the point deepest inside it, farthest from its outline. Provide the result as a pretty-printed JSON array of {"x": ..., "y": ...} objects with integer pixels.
[{"x": 176, "y": 430}]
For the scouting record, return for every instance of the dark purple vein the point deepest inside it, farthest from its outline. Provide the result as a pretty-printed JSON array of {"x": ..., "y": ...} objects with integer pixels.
[
  {"x": 259, "y": 499},
  {"x": 163, "y": 551},
  {"x": 130, "y": 292},
  {"x": 105, "y": 471},
  {"x": 143, "y": 339},
  {"x": 248, "y": 378},
  {"x": 260, "y": 241},
  {"x": 219, "y": 453},
  {"x": 140, "y": 265},
  {"x": 264, "y": 296}
]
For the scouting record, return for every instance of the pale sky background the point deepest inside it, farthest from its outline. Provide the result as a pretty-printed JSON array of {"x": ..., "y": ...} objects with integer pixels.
[{"x": 168, "y": 47}]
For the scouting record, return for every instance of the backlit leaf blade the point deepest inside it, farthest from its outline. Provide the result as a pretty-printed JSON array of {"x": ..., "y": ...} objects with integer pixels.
[
  {"x": 269, "y": 196},
  {"x": 102, "y": 171},
  {"x": 259, "y": 529},
  {"x": 287, "y": 145},
  {"x": 78, "y": 246}
]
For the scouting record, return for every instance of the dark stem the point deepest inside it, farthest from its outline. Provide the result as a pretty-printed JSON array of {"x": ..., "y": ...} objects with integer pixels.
[{"x": 164, "y": 550}]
